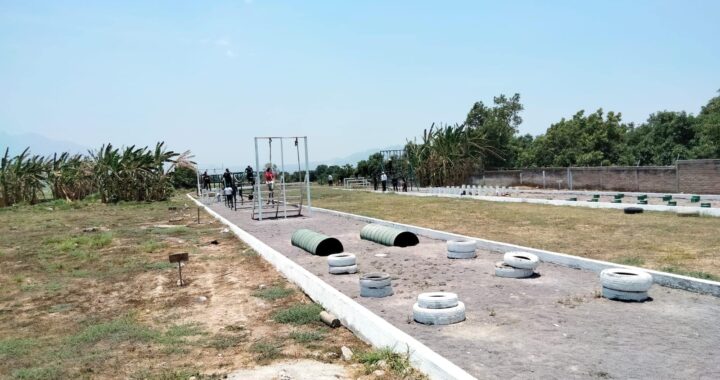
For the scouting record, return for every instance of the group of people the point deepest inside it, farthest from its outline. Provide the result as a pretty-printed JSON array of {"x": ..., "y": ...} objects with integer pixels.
[
  {"x": 397, "y": 183},
  {"x": 231, "y": 190}
]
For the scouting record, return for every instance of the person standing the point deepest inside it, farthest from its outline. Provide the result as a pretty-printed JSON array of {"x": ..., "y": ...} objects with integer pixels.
[
  {"x": 404, "y": 184},
  {"x": 383, "y": 181},
  {"x": 205, "y": 181},
  {"x": 395, "y": 184},
  {"x": 249, "y": 175},
  {"x": 375, "y": 184},
  {"x": 330, "y": 180},
  {"x": 270, "y": 181},
  {"x": 227, "y": 178}
]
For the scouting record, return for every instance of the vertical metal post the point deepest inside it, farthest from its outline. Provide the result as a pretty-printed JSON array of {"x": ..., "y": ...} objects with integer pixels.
[
  {"x": 197, "y": 177},
  {"x": 258, "y": 196},
  {"x": 198, "y": 218},
  {"x": 282, "y": 173},
  {"x": 307, "y": 176},
  {"x": 543, "y": 178}
]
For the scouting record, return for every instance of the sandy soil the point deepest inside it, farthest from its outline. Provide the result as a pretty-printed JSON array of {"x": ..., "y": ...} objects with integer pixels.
[{"x": 550, "y": 326}]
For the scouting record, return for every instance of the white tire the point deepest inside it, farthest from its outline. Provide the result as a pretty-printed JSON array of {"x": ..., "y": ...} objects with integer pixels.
[
  {"x": 461, "y": 246},
  {"x": 341, "y": 259},
  {"x": 521, "y": 260},
  {"x": 437, "y": 300},
  {"x": 374, "y": 280},
  {"x": 624, "y": 296},
  {"x": 376, "y": 292},
  {"x": 626, "y": 279},
  {"x": 349, "y": 269},
  {"x": 439, "y": 316},
  {"x": 461, "y": 255},
  {"x": 504, "y": 270}
]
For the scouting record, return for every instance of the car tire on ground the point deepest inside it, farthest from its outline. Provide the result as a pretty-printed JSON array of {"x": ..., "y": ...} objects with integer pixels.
[
  {"x": 437, "y": 300},
  {"x": 374, "y": 280},
  {"x": 504, "y": 270},
  {"x": 461, "y": 245},
  {"x": 376, "y": 292},
  {"x": 521, "y": 260},
  {"x": 349, "y": 269},
  {"x": 341, "y": 259},
  {"x": 461, "y": 255},
  {"x": 445, "y": 316},
  {"x": 626, "y": 279},
  {"x": 633, "y": 210},
  {"x": 613, "y": 294}
]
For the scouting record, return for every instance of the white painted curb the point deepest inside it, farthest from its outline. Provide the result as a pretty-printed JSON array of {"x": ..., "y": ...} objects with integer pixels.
[
  {"x": 361, "y": 321},
  {"x": 661, "y": 278},
  {"x": 715, "y": 212}
]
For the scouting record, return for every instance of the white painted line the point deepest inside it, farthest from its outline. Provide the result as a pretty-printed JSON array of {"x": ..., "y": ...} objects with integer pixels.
[
  {"x": 661, "y": 278},
  {"x": 361, "y": 321}
]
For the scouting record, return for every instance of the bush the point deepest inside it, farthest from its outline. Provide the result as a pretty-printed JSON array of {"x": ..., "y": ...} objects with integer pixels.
[{"x": 184, "y": 178}]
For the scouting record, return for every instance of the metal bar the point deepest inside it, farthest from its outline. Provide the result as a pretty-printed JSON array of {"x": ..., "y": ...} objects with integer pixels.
[
  {"x": 257, "y": 173},
  {"x": 307, "y": 177},
  {"x": 282, "y": 172}
]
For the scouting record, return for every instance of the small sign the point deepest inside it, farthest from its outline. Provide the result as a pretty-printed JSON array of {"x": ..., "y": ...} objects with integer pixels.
[{"x": 178, "y": 257}]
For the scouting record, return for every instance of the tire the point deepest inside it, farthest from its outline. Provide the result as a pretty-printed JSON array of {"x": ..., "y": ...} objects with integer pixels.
[
  {"x": 461, "y": 255},
  {"x": 633, "y": 210},
  {"x": 626, "y": 279},
  {"x": 461, "y": 246},
  {"x": 437, "y": 300},
  {"x": 521, "y": 260},
  {"x": 349, "y": 269},
  {"x": 376, "y": 292},
  {"x": 374, "y": 280},
  {"x": 341, "y": 259},
  {"x": 439, "y": 316},
  {"x": 504, "y": 270},
  {"x": 612, "y": 294}
]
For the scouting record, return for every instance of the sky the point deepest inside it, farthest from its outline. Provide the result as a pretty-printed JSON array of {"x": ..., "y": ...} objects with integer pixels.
[{"x": 351, "y": 75}]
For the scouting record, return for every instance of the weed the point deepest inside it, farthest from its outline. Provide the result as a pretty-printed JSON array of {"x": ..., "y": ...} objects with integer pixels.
[
  {"x": 273, "y": 293},
  {"x": 632, "y": 260},
  {"x": 306, "y": 337},
  {"x": 396, "y": 362},
  {"x": 38, "y": 373},
  {"x": 265, "y": 351},
  {"x": 123, "y": 329},
  {"x": 15, "y": 347},
  {"x": 698, "y": 274},
  {"x": 151, "y": 246},
  {"x": 224, "y": 341},
  {"x": 299, "y": 314}
]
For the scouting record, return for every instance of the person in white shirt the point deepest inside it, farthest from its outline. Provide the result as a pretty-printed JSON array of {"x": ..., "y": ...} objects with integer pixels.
[
  {"x": 383, "y": 180},
  {"x": 330, "y": 180}
]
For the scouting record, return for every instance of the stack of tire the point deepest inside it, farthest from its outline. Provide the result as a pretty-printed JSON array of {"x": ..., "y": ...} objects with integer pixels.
[
  {"x": 625, "y": 284},
  {"x": 517, "y": 265},
  {"x": 375, "y": 285},
  {"x": 342, "y": 263},
  {"x": 461, "y": 249},
  {"x": 438, "y": 308}
]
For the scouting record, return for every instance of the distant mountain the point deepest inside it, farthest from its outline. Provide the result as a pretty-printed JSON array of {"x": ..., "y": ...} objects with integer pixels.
[
  {"x": 38, "y": 144},
  {"x": 355, "y": 157}
]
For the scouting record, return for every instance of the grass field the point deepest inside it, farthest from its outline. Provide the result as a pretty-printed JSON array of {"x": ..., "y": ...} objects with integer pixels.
[
  {"x": 662, "y": 241},
  {"x": 103, "y": 303}
]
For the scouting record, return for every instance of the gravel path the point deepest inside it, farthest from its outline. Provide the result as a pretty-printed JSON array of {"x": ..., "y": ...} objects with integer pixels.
[{"x": 552, "y": 326}]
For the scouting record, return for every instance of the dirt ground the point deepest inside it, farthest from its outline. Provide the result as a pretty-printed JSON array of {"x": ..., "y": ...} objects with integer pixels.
[
  {"x": 104, "y": 303},
  {"x": 552, "y": 326}
]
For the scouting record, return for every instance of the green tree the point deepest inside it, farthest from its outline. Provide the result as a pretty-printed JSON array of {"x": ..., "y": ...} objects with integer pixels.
[{"x": 496, "y": 126}]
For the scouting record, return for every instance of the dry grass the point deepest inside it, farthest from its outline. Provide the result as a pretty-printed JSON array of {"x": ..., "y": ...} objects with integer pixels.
[
  {"x": 105, "y": 304},
  {"x": 655, "y": 240}
]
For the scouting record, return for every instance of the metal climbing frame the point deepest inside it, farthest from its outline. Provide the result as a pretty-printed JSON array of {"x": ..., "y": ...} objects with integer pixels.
[
  {"x": 395, "y": 163},
  {"x": 285, "y": 202}
]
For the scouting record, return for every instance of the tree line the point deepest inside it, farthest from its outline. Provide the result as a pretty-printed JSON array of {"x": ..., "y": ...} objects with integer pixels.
[
  {"x": 489, "y": 139},
  {"x": 113, "y": 174}
]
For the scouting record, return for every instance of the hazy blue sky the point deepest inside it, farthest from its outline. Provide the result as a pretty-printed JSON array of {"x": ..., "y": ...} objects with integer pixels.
[{"x": 352, "y": 75}]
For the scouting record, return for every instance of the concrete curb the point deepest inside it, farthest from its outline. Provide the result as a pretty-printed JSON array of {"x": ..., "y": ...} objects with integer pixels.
[
  {"x": 365, "y": 324},
  {"x": 669, "y": 280},
  {"x": 714, "y": 212}
]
